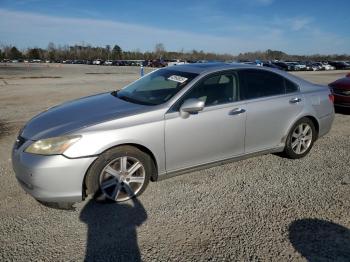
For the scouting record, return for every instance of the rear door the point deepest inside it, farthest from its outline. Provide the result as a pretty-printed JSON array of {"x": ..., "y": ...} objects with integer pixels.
[{"x": 272, "y": 103}]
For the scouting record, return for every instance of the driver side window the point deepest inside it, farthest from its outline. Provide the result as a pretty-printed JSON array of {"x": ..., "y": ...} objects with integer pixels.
[{"x": 215, "y": 90}]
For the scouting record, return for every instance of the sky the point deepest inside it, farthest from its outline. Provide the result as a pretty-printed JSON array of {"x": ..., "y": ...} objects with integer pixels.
[{"x": 220, "y": 26}]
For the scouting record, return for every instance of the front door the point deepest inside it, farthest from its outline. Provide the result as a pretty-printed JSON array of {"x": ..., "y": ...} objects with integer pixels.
[{"x": 216, "y": 133}]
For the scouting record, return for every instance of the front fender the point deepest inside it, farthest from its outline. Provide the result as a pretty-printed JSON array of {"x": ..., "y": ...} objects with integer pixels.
[{"x": 150, "y": 136}]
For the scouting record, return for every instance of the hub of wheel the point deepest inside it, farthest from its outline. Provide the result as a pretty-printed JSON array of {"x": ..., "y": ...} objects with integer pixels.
[
  {"x": 122, "y": 178},
  {"x": 301, "y": 138}
]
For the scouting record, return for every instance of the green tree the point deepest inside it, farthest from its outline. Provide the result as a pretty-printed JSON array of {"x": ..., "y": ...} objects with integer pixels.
[
  {"x": 272, "y": 54},
  {"x": 34, "y": 53},
  {"x": 15, "y": 53},
  {"x": 117, "y": 52}
]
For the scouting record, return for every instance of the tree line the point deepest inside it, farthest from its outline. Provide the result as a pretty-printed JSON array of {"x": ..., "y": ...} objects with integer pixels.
[{"x": 59, "y": 53}]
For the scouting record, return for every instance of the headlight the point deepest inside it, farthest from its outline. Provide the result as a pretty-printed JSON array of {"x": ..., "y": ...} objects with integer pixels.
[{"x": 52, "y": 146}]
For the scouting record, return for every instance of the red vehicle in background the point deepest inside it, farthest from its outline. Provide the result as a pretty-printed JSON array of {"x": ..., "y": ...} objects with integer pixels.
[{"x": 341, "y": 91}]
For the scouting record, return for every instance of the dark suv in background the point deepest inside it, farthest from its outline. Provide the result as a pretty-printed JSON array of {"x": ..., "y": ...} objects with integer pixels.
[{"x": 340, "y": 65}]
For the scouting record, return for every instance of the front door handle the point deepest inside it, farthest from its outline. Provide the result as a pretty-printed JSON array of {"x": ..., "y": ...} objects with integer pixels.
[
  {"x": 295, "y": 100},
  {"x": 236, "y": 111}
]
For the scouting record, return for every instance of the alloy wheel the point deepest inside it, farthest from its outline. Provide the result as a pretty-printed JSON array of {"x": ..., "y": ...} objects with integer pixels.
[
  {"x": 122, "y": 178},
  {"x": 301, "y": 138}
]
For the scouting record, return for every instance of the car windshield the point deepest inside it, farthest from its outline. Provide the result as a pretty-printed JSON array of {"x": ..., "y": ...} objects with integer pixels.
[{"x": 156, "y": 88}]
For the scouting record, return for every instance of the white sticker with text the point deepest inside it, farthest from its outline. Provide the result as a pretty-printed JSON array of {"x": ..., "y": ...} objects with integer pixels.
[{"x": 179, "y": 79}]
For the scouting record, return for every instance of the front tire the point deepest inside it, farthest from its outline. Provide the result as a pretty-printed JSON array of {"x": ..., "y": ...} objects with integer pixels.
[
  {"x": 119, "y": 174},
  {"x": 300, "y": 139}
]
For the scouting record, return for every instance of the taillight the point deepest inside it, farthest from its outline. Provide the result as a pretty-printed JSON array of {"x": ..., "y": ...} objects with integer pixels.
[{"x": 331, "y": 98}]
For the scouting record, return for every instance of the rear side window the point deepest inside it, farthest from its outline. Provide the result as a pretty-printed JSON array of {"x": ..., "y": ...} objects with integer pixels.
[{"x": 260, "y": 83}]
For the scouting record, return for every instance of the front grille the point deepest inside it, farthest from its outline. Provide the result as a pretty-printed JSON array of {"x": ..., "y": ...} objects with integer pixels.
[{"x": 19, "y": 142}]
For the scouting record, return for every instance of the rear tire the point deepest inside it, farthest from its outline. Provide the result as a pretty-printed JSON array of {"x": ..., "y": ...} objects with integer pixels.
[
  {"x": 300, "y": 139},
  {"x": 119, "y": 174}
]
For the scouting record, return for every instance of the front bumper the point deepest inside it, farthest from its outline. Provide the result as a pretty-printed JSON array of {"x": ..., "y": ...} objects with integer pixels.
[{"x": 51, "y": 178}]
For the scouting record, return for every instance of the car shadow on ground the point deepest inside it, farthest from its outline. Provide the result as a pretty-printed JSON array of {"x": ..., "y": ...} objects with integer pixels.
[
  {"x": 342, "y": 110},
  {"x": 112, "y": 232},
  {"x": 320, "y": 240}
]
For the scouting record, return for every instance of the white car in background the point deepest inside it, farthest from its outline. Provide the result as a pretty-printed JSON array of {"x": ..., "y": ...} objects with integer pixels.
[
  {"x": 318, "y": 66},
  {"x": 97, "y": 62},
  {"x": 176, "y": 62},
  {"x": 326, "y": 66},
  {"x": 299, "y": 66},
  {"x": 108, "y": 62}
]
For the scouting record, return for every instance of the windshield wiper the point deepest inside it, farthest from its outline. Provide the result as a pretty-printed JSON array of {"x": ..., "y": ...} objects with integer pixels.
[{"x": 130, "y": 99}]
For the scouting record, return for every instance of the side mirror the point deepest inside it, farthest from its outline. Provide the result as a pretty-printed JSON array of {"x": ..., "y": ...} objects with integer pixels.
[{"x": 191, "y": 106}]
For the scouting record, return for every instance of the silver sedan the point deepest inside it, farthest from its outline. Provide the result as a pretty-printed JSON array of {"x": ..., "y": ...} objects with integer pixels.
[{"x": 172, "y": 121}]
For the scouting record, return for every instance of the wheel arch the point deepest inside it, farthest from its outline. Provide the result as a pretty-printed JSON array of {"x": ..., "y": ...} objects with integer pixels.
[
  {"x": 315, "y": 122},
  {"x": 154, "y": 175},
  {"x": 312, "y": 118}
]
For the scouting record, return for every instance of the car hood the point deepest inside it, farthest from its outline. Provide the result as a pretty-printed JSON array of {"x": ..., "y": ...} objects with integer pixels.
[{"x": 77, "y": 114}]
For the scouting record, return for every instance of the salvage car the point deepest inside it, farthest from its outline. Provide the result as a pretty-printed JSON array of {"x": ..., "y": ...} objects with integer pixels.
[
  {"x": 171, "y": 121},
  {"x": 341, "y": 91}
]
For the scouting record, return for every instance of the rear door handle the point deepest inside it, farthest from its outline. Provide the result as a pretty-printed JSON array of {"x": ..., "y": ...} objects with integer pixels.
[
  {"x": 295, "y": 100},
  {"x": 236, "y": 111}
]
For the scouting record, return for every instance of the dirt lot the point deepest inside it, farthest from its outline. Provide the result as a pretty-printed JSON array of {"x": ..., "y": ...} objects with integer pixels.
[{"x": 263, "y": 208}]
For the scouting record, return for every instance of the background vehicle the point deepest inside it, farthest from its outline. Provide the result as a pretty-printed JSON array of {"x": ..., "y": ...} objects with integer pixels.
[
  {"x": 326, "y": 66},
  {"x": 272, "y": 65},
  {"x": 299, "y": 66},
  {"x": 171, "y": 121},
  {"x": 175, "y": 62},
  {"x": 284, "y": 66},
  {"x": 341, "y": 91},
  {"x": 118, "y": 63},
  {"x": 157, "y": 63},
  {"x": 108, "y": 62},
  {"x": 339, "y": 65},
  {"x": 296, "y": 66},
  {"x": 312, "y": 66},
  {"x": 97, "y": 62}
]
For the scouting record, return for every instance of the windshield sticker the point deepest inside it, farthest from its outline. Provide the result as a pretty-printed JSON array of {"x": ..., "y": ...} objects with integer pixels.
[{"x": 179, "y": 79}]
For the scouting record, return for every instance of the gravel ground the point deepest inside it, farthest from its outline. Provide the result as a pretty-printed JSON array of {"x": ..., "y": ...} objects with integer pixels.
[{"x": 261, "y": 209}]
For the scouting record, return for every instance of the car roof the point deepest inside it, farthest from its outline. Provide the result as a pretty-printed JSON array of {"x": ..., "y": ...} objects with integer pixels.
[
  {"x": 200, "y": 68},
  {"x": 204, "y": 68}
]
